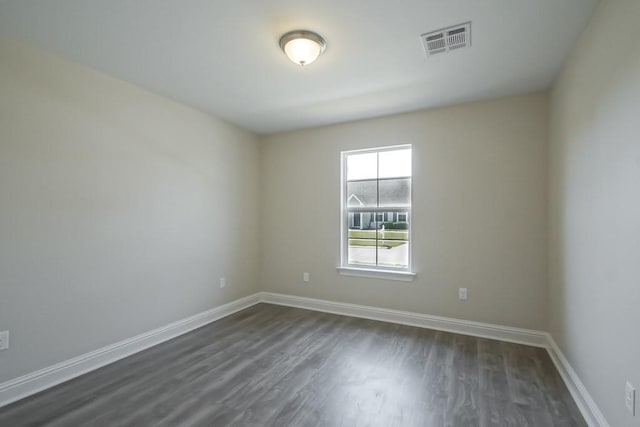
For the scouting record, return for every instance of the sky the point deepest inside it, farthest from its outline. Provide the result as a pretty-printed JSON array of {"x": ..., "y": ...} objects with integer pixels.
[{"x": 385, "y": 164}]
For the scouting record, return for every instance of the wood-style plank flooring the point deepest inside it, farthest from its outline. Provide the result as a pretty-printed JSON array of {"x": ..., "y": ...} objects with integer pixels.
[{"x": 279, "y": 366}]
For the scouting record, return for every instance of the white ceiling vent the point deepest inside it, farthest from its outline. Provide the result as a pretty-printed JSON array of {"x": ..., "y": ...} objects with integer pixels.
[{"x": 447, "y": 39}]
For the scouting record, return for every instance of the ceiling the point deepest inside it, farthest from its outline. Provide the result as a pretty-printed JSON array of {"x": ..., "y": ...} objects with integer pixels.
[{"x": 222, "y": 56}]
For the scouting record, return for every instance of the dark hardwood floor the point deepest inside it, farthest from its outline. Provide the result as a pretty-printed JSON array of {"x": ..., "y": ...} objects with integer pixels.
[{"x": 278, "y": 366}]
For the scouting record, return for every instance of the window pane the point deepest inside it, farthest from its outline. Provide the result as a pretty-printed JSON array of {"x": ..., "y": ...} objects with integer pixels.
[
  {"x": 362, "y": 193},
  {"x": 362, "y": 221},
  {"x": 362, "y": 239},
  {"x": 393, "y": 230},
  {"x": 393, "y": 253},
  {"x": 395, "y": 192},
  {"x": 362, "y": 166},
  {"x": 360, "y": 254},
  {"x": 395, "y": 163},
  {"x": 393, "y": 241}
]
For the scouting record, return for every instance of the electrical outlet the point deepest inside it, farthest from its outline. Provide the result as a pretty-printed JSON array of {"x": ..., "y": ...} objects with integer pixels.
[
  {"x": 223, "y": 282},
  {"x": 462, "y": 294},
  {"x": 305, "y": 276},
  {"x": 630, "y": 398},
  {"x": 4, "y": 340}
]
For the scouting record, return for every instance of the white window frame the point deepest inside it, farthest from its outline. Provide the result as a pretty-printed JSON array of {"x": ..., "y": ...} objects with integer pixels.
[{"x": 377, "y": 272}]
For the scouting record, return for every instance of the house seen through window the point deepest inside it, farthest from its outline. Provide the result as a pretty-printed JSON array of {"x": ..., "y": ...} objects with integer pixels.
[{"x": 376, "y": 207}]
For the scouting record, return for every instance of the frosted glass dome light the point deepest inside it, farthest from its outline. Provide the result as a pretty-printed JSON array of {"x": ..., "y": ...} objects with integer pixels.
[{"x": 302, "y": 47}]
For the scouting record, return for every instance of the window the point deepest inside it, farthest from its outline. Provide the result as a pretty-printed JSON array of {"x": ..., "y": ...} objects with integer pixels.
[{"x": 376, "y": 209}]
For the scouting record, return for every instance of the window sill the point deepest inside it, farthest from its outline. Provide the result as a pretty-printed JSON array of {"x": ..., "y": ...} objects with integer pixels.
[{"x": 403, "y": 276}]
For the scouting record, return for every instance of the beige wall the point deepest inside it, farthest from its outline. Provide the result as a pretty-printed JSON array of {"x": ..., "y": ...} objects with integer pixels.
[
  {"x": 595, "y": 208},
  {"x": 119, "y": 211},
  {"x": 479, "y": 211}
]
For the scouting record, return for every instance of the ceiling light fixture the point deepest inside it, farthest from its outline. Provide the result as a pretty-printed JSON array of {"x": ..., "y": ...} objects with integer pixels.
[{"x": 302, "y": 46}]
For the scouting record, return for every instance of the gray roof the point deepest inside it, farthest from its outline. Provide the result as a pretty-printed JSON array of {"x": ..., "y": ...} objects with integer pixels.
[{"x": 392, "y": 192}]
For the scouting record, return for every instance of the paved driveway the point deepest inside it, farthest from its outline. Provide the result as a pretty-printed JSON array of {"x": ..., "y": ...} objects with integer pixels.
[{"x": 391, "y": 257}]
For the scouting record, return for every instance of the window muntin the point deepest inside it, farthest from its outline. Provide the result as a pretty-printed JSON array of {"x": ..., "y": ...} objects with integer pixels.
[{"x": 376, "y": 207}]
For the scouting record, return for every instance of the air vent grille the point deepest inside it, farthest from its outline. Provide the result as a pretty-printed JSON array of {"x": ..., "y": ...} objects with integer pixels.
[{"x": 447, "y": 39}]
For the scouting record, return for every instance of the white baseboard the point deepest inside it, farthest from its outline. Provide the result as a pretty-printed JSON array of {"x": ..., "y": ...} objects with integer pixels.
[
  {"x": 590, "y": 411},
  {"x": 26, "y": 385},
  {"x": 448, "y": 324}
]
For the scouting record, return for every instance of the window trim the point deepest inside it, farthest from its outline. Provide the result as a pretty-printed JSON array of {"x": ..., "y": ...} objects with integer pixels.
[
  {"x": 386, "y": 272},
  {"x": 401, "y": 276}
]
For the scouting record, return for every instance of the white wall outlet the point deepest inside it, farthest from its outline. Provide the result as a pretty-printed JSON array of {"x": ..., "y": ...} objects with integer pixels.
[
  {"x": 223, "y": 282},
  {"x": 4, "y": 340},
  {"x": 462, "y": 294},
  {"x": 305, "y": 276},
  {"x": 630, "y": 398}
]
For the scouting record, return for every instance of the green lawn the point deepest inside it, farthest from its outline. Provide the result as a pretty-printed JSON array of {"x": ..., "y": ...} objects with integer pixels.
[
  {"x": 371, "y": 234},
  {"x": 392, "y": 238},
  {"x": 381, "y": 243}
]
